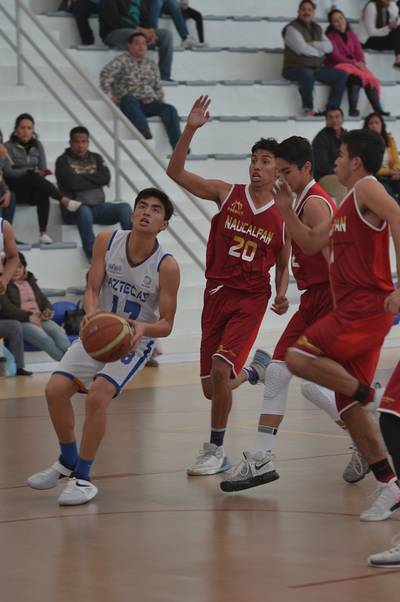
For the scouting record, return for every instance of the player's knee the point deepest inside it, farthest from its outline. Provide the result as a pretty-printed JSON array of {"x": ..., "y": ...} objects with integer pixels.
[
  {"x": 55, "y": 389},
  {"x": 220, "y": 373},
  {"x": 294, "y": 362},
  {"x": 95, "y": 404}
]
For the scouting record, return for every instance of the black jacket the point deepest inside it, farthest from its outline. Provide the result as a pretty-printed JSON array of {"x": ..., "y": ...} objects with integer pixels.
[
  {"x": 82, "y": 178},
  {"x": 326, "y": 146},
  {"x": 11, "y": 301}
]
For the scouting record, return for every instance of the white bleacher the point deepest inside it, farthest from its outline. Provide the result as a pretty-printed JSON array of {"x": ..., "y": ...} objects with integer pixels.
[{"x": 240, "y": 70}]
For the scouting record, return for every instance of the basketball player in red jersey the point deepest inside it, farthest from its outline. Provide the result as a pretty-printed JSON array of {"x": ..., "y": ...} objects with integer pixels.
[
  {"x": 313, "y": 206},
  {"x": 246, "y": 239},
  {"x": 341, "y": 350},
  {"x": 390, "y": 429}
]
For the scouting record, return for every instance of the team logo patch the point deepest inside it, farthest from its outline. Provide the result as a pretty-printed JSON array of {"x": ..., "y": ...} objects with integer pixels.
[
  {"x": 223, "y": 351},
  {"x": 387, "y": 400},
  {"x": 304, "y": 342},
  {"x": 236, "y": 207},
  {"x": 146, "y": 281},
  {"x": 114, "y": 268}
]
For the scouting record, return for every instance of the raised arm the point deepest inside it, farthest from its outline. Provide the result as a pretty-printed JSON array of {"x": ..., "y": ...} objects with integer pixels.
[
  {"x": 169, "y": 284},
  {"x": 213, "y": 190},
  {"x": 310, "y": 240}
]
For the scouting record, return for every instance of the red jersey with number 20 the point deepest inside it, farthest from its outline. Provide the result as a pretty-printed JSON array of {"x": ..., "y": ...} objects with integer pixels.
[
  {"x": 359, "y": 252},
  {"x": 310, "y": 270},
  {"x": 244, "y": 242}
]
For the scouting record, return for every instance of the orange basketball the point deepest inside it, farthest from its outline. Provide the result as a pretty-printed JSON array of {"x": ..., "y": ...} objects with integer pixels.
[{"x": 106, "y": 337}]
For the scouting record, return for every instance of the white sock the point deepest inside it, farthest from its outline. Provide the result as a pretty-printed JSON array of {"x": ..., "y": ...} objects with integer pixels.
[{"x": 277, "y": 378}]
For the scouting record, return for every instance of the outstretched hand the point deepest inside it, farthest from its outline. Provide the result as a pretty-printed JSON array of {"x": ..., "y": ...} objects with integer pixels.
[
  {"x": 199, "y": 114},
  {"x": 283, "y": 195}
]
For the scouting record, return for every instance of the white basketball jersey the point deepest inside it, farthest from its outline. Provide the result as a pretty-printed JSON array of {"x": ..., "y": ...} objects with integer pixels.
[{"x": 131, "y": 291}]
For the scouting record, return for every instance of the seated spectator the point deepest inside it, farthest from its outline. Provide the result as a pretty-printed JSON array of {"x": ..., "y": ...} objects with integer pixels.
[
  {"x": 190, "y": 13},
  {"x": 11, "y": 332},
  {"x": 326, "y": 147},
  {"x": 348, "y": 56},
  {"x": 5, "y": 194},
  {"x": 25, "y": 302},
  {"x": 172, "y": 8},
  {"x": 132, "y": 80},
  {"x": 81, "y": 176},
  {"x": 26, "y": 173},
  {"x": 389, "y": 173},
  {"x": 305, "y": 48},
  {"x": 82, "y": 10},
  {"x": 382, "y": 26},
  {"x": 119, "y": 19}
]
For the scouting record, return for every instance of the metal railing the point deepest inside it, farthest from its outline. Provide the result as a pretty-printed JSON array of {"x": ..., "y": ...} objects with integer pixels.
[{"x": 118, "y": 117}]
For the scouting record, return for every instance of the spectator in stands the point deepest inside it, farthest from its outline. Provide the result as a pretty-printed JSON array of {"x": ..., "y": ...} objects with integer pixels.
[
  {"x": 389, "y": 173},
  {"x": 382, "y": 25},
  {"x": 326, "y": 147},
  {"x": 305, "y": 48},
  {"x": 191, "y": 13},
  {"x": 81, "y": 176},
  {"x": 82, "y": 10},
  {"x": 132, "y": 80},
  {"x": 25, "y": 302},
  {"x": 5, "y": 194},
  {"x": 11, "y": 332},
  {"x": 26, "y": 173},
  {"x": 119, "y": 19},
  {"x": 348, "y": 56},
  {"x": 172, "y": 8}
]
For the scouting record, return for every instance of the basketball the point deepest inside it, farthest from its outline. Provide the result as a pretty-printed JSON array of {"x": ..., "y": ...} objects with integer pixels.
[{"x": 107, "y": 337}]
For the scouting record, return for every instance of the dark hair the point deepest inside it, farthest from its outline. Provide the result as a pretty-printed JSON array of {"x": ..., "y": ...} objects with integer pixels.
[
  {"x": 307, "y": 2},
  {"x": 267, "y": 144},
  {"x": 330, "y": 15},
  {"x": 166, "y": 202},
  {"x": 79, "y": 129},
  {"x": 14, "y": 137},
  {"x": 367, "y": 145},
  {"x": 295, "y": 150},
  {"x": 21, "y": 257},
  {"x": 383, "y": 132},
  {"x": 334, "y": 109},
  {"x": 136, "y": 35}
]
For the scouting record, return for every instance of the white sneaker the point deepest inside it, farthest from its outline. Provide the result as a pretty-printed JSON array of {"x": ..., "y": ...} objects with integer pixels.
[
  {"x": 255, "y": 469},
  {"x": 386, "y": 502},
  {"x": 77, "y": 491},
  {"x": 386, "y": 560},
  {"x": 44, "y": 239},
  {"x": 188, "y": 43},
  {"x": 73, "y": 206},
  {"x": 357, "y": 468},
  {"x": 211, "y": 460},
  {"x": 48, "y": 478}
]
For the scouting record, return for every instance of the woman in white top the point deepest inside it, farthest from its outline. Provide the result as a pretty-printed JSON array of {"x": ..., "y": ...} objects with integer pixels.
[{"x": 382, "y": 24}]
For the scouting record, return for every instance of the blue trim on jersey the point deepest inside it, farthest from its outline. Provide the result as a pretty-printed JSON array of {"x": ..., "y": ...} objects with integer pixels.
[
  {"x": 111, "y": 240},
  {"x": 135, "y": 368},
  {"x": 70, "y": 376},
  {"x": 162, "y": 259}
]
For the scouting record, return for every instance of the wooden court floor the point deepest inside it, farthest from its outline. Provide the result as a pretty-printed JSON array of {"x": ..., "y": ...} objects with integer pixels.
[{"x": 155, "y": 535}]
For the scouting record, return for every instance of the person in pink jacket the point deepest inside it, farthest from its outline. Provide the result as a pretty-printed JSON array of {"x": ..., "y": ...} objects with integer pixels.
[{"x": 348, "y": 56}]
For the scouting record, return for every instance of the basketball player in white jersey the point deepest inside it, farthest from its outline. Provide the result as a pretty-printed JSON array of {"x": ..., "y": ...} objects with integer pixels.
[
  {"x": 130, "y": 275},
  {"x": 8, "y": 250}
]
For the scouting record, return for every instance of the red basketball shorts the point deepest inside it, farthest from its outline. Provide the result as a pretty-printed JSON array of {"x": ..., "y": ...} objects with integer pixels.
[
  {"x": 390, "y": 401},
  {"x": 350, "y": 335},
  {"x": 230, "y": 323},
  {"x": 315, "y": 303}
]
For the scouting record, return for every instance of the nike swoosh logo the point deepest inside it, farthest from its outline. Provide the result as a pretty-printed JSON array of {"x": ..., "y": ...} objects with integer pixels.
[
  {"x": 260, "y": 466},
  {"x": 82, "y": 485}
]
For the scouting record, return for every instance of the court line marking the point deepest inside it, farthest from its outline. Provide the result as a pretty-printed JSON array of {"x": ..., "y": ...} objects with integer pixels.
[{"x": 344, "y": 579}]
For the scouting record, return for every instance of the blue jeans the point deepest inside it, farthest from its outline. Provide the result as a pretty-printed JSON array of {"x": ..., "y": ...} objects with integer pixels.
[
  {"x": 49, "y": 337},
  {"x": 106, "y": 214},
  {"x": 137, "y": 111},
  {"x": 306, "y": 77},
  {"x": 169, "y": 7},
  {"x": 119, "y": 38}
]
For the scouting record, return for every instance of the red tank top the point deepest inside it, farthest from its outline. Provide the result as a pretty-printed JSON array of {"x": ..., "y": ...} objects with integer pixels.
[
  {"x": 310, "y": 270},
  {"x": 359, "y": 252},
  {"x": 244, "y": 242}
]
